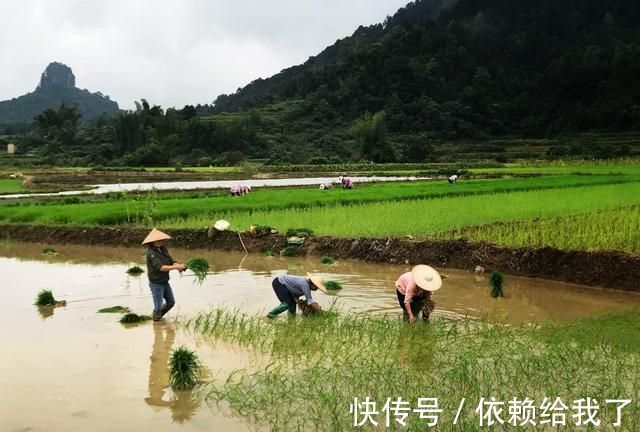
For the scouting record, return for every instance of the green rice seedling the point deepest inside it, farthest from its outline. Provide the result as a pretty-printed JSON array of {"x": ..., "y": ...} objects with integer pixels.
[
  {"x": 327, "y": 260},
  {"x": 184, "y": 369},
  {"x": 496, "y": 282},
  {"x": 200, "y": 267},
  {"x": 49, "y": 250},
  {"x": 290, "y": 251},
  {"x": 45, "y": 298},
  {"x": 114, "y": 309},
  {"x": 132, "y": 318},
  {"x": 269, "y": 253},
  {"x": 135, "y": 270},
  {"x": 333, "y": 285}
]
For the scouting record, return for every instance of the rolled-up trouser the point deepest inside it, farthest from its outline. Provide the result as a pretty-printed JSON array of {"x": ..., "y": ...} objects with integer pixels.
[
  {"x": 285, "y": 297},
  {"x": 416, "y": 305}
]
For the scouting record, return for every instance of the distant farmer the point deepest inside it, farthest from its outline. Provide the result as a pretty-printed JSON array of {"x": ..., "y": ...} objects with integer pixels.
[
  {"x": 324, "y": 186},
  {"x": 245, "y": 189},
  {"x": 453, "y": 179},
  {"x": 347, "y": 183},
  {"x": 159, "y": 264},
  {"x": 414, "y": 290},
  {"x": 290, "y": 288},
  {"x": 235, "y": 190}
]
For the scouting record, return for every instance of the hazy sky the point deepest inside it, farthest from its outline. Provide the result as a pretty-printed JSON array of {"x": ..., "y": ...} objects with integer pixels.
[{"x": 170, "y": 52}]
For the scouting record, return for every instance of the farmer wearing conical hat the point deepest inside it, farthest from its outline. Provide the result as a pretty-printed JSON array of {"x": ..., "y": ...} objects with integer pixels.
[
  {"x": 159, "y": 264},
  {"x": 290, "y": 288},
  {"x": 414, "y": 290}
]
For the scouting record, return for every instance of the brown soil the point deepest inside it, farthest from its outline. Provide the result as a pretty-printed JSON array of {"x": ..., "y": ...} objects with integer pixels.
[{"x": 606, "y": 269}]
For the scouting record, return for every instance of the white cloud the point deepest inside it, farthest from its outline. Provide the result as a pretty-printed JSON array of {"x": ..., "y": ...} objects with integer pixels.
[{"x": 170, "y": 52}]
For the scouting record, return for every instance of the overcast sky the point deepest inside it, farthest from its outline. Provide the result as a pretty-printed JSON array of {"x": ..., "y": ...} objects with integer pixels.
[{"x": 170, "y": 52}]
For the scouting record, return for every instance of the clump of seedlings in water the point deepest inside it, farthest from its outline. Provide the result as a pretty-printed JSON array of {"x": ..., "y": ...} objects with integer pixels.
[
  {"x": 135, "y": 271},
  {"x": 496, "y": 282},
  {"x": 269, "y": 253},
  {"x": 132, "y": 318},
  {"x": 46, "y": 298},
  {"x": 333, "y": 285},
  {"x": 49, "y": 250},
  {"x": 184, "y": 369},
  {"x": 327, "y": 260},
  {"x": 114, "y": 309},
  {"x": 199, "y": 266}
]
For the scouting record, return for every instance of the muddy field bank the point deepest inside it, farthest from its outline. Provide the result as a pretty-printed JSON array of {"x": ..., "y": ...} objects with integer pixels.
[{"x": 605, "y": 269}]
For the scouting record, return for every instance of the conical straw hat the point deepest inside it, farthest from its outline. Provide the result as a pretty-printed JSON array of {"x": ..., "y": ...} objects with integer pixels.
[
  {"x": 317, "y": 281},
  {"x": 426, "y": 277},
  {"x": 155, "y": 235}
]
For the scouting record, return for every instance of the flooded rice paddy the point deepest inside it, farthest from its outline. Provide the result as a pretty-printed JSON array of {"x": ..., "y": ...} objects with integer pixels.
[{"x": 70, "y": 368}]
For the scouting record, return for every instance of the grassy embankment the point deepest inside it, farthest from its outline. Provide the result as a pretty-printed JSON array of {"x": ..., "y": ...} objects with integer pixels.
[{"x": 316, "y": 367}]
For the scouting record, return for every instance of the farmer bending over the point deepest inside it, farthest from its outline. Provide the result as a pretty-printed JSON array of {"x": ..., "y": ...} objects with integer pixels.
[
  {"x": 159, "y": 264},
  {"x": 289, "y": 288},
  {"x": 414, "y": 290}
]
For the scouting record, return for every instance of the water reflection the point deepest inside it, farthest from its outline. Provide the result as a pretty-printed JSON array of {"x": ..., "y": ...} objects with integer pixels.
[{"x": 183, "y": 404}]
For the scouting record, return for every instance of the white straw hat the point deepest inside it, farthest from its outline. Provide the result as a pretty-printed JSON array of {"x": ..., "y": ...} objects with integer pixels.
[
  {"x": 155, "y": 235},
  {"x": 317, "y": 281},
  {"x": 426, "y": 277}
]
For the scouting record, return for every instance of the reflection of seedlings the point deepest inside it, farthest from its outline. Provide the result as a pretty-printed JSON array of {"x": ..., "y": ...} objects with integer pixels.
[
  {"x": 290, "y": 251},
  {"x": 135, "y": 270},
  {"x": 327, "y": 260},
  {"x": 46, "y": 298},
  {"x": 496, "y": 282},
  {"x": 49, "y": 250},
  {"x": 199, "y": 266},
  {"x": 132, "y": 318},
  {"x": 184, "y": 369},
  {"x": 114, "y": 309},
  {"x": 333, "y": 285}
]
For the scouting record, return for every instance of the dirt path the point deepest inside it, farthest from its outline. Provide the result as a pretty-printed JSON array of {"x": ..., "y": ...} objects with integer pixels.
[{"x": 605, "y": 269}]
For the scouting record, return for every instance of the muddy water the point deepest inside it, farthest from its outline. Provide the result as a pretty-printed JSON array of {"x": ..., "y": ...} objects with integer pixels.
[{"x": 71, "y": 369}]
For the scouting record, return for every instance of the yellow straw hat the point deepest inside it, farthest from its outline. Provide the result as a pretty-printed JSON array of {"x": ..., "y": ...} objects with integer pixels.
[
  {"x": 317, "y": 281},
  {"x": 155, "y": 235},
  {"x": 426, "y": 277}
]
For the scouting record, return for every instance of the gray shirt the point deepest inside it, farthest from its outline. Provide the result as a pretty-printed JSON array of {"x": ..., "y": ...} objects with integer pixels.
[{"x": 297, "y": 286}]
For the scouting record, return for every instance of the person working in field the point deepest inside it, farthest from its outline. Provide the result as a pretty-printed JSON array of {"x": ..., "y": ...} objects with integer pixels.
[
  {"x": 453, "y": 179},
  {"x": 414, "y": 290},
  {"x": 290, "y": 288},
  {"x": 159, "y": 264},
  {"x": 347, "y": 183}
]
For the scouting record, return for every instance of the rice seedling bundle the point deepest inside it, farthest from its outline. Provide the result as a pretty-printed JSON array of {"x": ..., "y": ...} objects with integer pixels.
[
  {"x": 199, "y": 266},
  {"x": 496, "y": 282},
  {"x": 135, "y": 271},
  {"x": 333, "y": 285},
  {"x": 132, "y": 318},
  {"x": 184, "y": 369},
  {"x": 114, "y": 309},
  {"x": 327, "y": 260},
  {"x": 45, "y": 298}
]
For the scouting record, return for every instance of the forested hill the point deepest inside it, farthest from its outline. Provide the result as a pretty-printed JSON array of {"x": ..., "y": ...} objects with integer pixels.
[
  {"x": 57, "y": 86},
  {"x": 476, "y": 67}
]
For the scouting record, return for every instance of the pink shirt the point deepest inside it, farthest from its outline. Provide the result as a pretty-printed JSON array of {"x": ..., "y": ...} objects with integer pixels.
[{"x": 408, "y": 287}]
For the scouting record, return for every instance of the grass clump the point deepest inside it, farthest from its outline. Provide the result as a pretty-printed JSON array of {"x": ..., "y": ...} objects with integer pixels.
[
  {"x": 496, "y": 282},
  {"x": 199, "y": 266},
  {"x": 184, "y": 369},
  {"x": 333, "y": 285},
  {"x": 49, "y": 250},
  {"x": 45, "y": 298},
  {"x": 132, "y": 318},
  {"x": 327, "y": 260},
  {"x": 114, "y": 309},
  {"x": 135, "y": 270},
  {"x": 299, "y": 232}
]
